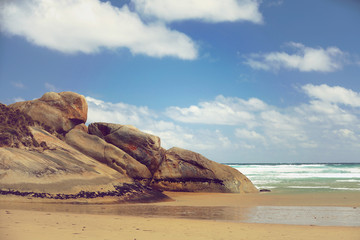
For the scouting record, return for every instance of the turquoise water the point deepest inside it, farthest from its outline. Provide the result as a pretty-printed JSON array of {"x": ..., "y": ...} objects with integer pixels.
[{"x": 303, "y": 177}]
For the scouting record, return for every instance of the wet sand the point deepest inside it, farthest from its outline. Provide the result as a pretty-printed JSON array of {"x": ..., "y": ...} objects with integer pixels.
[{"x": 190, "y": 216}]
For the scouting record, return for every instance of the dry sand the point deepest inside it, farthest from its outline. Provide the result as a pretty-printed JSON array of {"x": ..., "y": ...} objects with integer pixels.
[{"x": 29, "y": 224}]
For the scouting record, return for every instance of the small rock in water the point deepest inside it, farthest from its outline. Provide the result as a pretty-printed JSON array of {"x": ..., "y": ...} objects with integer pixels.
[{"x": 265, "y": 190}]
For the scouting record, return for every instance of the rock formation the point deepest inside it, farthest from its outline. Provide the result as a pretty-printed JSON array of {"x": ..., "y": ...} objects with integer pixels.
[
  {"x": 61, "y": 111},
  {"x": 99, "y": 149},
  {"x": 184, "y": 170},
  {"x": 176, "y": 169},
  {"x": 40, "y": 164},
  {"x": 46, "y": 150},
  {"x": 142, "y": 146}
]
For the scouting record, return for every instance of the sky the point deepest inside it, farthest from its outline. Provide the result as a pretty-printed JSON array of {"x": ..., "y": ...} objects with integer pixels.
[{"x": 239, "y": 81}]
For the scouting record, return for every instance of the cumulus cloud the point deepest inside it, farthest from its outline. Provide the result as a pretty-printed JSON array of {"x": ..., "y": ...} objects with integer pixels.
[
  {"x": 331, "y": 107},
  {"x": 259, "y": 124},
  {"x": 346, "y": 133},
  {"x": 122, "y": 113},
  {"x": 51, "y": 87},
  {"x": 282, "y": 128},
  {"x": 147, "y": 120},
  {"x": 18, "y": 84},
  {"x": 207, "y": 11},
  {"x": 275, "y": 127},
  {"x": 303, "y": 59},
  {"x": 234, "y": 126},
  {"x": 248, "y": 134},
  {"x": 327, "y": 113},
  {"x": 18, "y": 99},
  {"x": 334, "y": 94},
  {"x": 223, "y": 111},
  {"x": 87, "y": 26}
]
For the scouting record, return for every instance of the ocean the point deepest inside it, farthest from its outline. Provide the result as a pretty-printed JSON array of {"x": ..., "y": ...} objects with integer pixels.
[{"x": 326, "y": 177}]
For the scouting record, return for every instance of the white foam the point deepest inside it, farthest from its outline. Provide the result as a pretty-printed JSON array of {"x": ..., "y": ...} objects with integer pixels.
[
  {"x": 347, "y": 189},
  {"x": 349, "y": 180},
  {"x": 310, "y": 187},
  {"x": 299, "y": 171},
  {"x": 332, "y": 176}
]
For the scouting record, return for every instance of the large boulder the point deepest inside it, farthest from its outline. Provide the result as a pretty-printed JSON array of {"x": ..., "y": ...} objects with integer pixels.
[
  {"x": 61, "y": 172},
  {"x": 184, "y": 170},
  {"x": 61, "y": 111},
  {"x": 57, "y": 169},
  {"x": 103, "y": 158},
  {"x": 99, "y": 149},
  {"x": 143, "y": 147}
]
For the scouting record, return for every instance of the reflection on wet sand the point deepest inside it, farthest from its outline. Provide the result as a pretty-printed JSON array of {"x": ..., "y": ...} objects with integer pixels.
[
  {"x": 322, "y": 216},
  {"x": 141, "y": 210}
]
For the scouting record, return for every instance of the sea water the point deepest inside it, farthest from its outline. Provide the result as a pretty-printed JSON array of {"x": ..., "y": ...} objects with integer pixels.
[{"x": 326, "y": 177}]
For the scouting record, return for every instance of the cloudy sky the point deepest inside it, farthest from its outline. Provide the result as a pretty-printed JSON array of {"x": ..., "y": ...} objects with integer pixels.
[{"x": 243, "y": 81}]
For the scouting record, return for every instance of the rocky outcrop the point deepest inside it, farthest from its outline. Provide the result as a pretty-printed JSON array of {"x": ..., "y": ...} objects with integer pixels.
[
  {"x": 99, "y": 149},
  {"x": 48, "y": 167},
  {"x": 143, "y": 147},
  {"x": 58, "y": 169},
  {"x": 176, "y": 169},
  {"x": 46, "y": 150},
  {"x": 61, "y": 111},
  {"x": 184, "y": 170}
]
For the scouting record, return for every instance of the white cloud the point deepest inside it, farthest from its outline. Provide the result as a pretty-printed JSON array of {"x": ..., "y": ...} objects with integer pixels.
[
  {"x": 334, "y": 94},
  {"x": 274, "y": 2},
  {"x": 223, "y": 133},
  {"x": 223, "y": 111},
  {"x": 19, "y": 99},
  {"x": 18, "y": 84},
  {"x": 203, "y": 10},
  {"x": 87, "y": 26},
  {"x": 148, "y": 121},
  {"x": 122, "y": 113},
  {"x": 50, "y": 87},
  {"x": 279, "y": 128},
  {"x": 248, "y": 134},
  {"x": 304, "y": 59},
  {"x": 285, "y": 129},
  {"x": 330, "y": 106},
  {"x": 346, "y": 133}
]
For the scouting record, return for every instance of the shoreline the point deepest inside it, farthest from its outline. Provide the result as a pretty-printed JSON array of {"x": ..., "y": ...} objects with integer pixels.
[
  {"x": 59, "y": 226},
  {"x": 189, "y": 216}
]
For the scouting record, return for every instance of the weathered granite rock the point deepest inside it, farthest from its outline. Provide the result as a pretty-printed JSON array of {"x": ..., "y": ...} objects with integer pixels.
[
  {"x": 61, "y": 111},
  {"x": 14, "y": 131},
  {"x": 59, "y": 169},
  {"x": 46, "y": 150},
  {"x": 184, "y": 170},
  {"x": 62, "y": 172},
  {"x": 99, "y": 149},
  {"x": 143, "y": 147},
  {"x": 82, "y": 127}
]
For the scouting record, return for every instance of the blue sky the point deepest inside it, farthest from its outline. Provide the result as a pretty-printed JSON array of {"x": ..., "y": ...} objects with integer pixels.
[{"x": 237, "y": 81}]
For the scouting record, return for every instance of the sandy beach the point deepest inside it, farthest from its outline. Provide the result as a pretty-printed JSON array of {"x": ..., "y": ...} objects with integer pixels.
[{"x": 176, "y": 219}]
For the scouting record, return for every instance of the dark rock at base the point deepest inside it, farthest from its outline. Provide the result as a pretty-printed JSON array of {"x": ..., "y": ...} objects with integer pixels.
[{"x": 134, "y": 192}]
